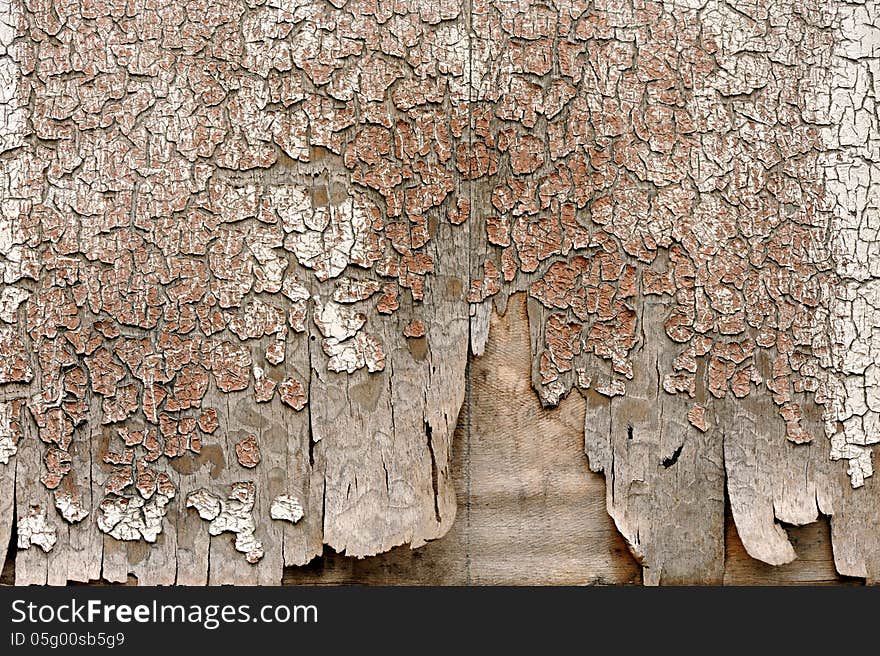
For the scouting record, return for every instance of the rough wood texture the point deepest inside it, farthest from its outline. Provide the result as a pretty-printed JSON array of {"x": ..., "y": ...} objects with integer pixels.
[
  {"x": 530, "y": 509},
  {"x": 246, "y": 247},
  {"x": 664, "y": 477}
]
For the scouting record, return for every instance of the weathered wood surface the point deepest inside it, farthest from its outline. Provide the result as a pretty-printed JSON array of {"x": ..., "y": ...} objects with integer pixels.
[
  {"x": 247, "y": 246},
  {"x": 530, "y": 511}
]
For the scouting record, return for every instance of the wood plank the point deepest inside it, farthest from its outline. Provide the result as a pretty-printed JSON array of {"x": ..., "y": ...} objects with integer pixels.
[{"x": 530, "y": 509}]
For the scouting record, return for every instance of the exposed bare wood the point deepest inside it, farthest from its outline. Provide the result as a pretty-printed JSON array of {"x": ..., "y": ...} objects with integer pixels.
[{"x": 246, "y": 248}]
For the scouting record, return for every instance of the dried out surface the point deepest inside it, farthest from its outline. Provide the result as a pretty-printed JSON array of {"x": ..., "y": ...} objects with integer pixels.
[
  {"x": 529, "y": 508},
  {"x": 246, "y": 246}
]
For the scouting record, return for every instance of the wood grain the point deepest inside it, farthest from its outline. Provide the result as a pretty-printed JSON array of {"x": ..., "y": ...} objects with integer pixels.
[{"x": 530, "y": 510}]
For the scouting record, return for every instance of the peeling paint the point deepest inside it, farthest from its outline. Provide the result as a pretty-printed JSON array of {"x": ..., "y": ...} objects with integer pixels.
[
  {"x": 71, "y": 508},
  {"x": 286, "y": 508},
  {"x": 136, "y": 517},
  {"x": 233, "y": 515},
  {"x": 34, "y": 529},
  {"x": 247, "y": 450},
  {"x": 189, "y": 199},
  {"x": 10, "y": 430}
]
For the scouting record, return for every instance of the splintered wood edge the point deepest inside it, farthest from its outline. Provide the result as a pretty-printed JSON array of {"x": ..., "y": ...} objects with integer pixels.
[{"x": 242, "y": 274}]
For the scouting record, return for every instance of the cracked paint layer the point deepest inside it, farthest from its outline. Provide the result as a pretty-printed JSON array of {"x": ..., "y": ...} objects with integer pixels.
[
  {"x": 35, "y": 529},
  {"x": 137, "y": 517},
  {"x": 70, "y": 508},
  {"x": 850, "y": 133},
  {"x": 10, "y": 429},
  {"x": 232, "y": 515},
  {"x": 309, "y": 210},
  {"x": 286, "y": 508}
]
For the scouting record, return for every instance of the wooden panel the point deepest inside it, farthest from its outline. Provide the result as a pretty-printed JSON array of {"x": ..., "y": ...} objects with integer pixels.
[
  {"x": 530, "y": 511},
  {"x": 292, "y": 226}
]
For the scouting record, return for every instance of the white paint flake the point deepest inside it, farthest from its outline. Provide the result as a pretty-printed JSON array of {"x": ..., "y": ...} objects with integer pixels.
[
  {"x": 362, "y": 350},
  {"x": 13, "y": 109},
  {"x": 350, "y": 290},
  {"x": 71, "y": 509},
  {"x": 232, "y": 515},
  {"x": 206, "y": 504},
  {"x": 35, "y": 529},
  {"x": 132, "y": 518},
  {"x": 338, "y": 322},
  {"x": 327, "y": 239},
  {"x": 348, "y": 348},
  {"x": 11, "y": 298},
  {"x": 9, "y": 431},
  {"x": 286, "y": 508}
]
